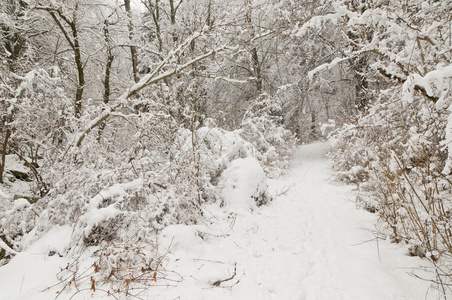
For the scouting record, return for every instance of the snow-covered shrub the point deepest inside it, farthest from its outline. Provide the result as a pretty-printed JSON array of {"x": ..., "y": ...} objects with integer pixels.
[
  {"x": 263, "y": 127},
  {"x": 350, "y": 158},
  {"x": 37, "y": 118},
  {"x": 118, "y": 270},
  {"x": 113, "y": 183},
  {"x": 151, "y": 174},
  {"x": 395, "y": 153},
  {"x": 112, "y": 186},
  {"x": 16, "y": 222},
  {"x": 244, "y": 185},
  {"x": 226, "y": 162}
]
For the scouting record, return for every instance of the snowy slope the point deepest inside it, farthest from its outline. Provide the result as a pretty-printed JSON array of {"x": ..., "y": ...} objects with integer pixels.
[{"x": 309, "y": 243}]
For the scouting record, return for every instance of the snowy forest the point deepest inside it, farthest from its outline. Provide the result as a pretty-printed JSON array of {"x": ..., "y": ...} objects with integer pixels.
[{"x": 127, "y": 121}]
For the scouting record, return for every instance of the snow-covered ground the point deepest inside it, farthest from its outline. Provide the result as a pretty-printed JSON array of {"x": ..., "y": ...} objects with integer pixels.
[{"x": 310, "y": 243}]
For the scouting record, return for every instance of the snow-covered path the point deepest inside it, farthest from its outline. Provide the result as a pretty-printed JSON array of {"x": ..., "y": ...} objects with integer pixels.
[
  {"x": 335, "y": 259},
  {"x": 310, "y": 243}
]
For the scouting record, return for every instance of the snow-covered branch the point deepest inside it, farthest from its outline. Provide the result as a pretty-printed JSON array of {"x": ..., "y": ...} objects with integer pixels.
[
  {"x": 148, "y": 80},
  {"x": 5, "y": 247},
  {"x": 432, "y": 80},
  {"x": 153, "y": 78},
  {"x": 96, "y": 122}
]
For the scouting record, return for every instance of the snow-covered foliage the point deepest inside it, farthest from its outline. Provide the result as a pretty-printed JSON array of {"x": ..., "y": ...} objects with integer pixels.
[
  {"x": 128, "y": 121},
  {"x": 153, "y": 173},
  {"x": 114, "y": 155},
  {"x": 398, "y": 149},
  {"x": 263, "y": 126},
  {"x": 395, "y": 155},
  {"x": 299, "y": 237},
  {"x": 244, "y": 185}
]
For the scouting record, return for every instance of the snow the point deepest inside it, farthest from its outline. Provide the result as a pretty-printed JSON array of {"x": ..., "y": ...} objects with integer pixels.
[
  {"x": 95, "y": 215},
  {"x": 20, "y": 203},
  {"x": 435, "y": 83},
  {"x": 325, "y": 67},
  {"x": 5, "y": 247},
  {"x": 33, "y": 270},
  {"x": 309, "y": 243},
  {"x": 57, "y": 240},
  {"x": 12, "y": 186},
  {"x": 448, "y": 142},
  {"x": 439, "y": 79},
  {"x": 243, "y": 181},
  {"x": 3, "y": 195},
  {"x": 113, "y": 191}
]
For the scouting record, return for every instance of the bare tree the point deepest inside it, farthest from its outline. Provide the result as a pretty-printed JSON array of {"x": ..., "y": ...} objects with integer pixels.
[
  {"x": 133, "y": 48},
  {"x": 69, "y": 27},
  {"x": 13, "y": 42},
  {"x": 154, "y": 10}
]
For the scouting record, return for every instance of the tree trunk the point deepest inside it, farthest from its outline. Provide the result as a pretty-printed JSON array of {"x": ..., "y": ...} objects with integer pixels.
[
  {"x": 257, "y": 69},
  {"x": 75, "y": 46},
  {"x": 3, "y": 158},
  {"x": 107, "y": 76},
  {"x": 173, "y": 11},
  {"x": 209, "y": 14},
  {"x": 133, "y": 48},
  {"x": 80, "y": 68},
  {"x": 154, "y": 10},
  {"x": 110, "y": 58},
  {"x": 81, "y": 83},
  {"x": 254, "y": 56},
  {"x": 313, "y": 133}
]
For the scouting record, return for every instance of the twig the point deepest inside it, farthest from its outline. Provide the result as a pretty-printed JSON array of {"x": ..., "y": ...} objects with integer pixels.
[
  {"x": 285, "y": 189},
  {"x": 378, "y": 250},
  {"x": 21, "y": 285},
  {"x": 209, "y": 260},
  {"x": 218, "y": 282},
  {"x": 238, "y": 245},
  {"x": 365, "y": 242},
  {"x": 430, "y": 280},
  {"x": 231, "y": 226}
]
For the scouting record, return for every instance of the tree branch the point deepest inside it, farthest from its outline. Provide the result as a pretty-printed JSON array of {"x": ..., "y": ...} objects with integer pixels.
[
  {"x": 153, "y": 78},
  {"x": 63, "y": 30},
  {"x": 400, "y": 80},
  {"x": 96, "y": 122}
]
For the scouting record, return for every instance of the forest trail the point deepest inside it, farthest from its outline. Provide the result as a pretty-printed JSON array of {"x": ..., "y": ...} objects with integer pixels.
[
  {"x": 338, "y": 256},
  {"x": 310, "y": 243}
]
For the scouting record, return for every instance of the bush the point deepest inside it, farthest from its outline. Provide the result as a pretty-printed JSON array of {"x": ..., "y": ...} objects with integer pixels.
[
  {"x": 263, "y": 127},
  {"x": 395, "y": 154},
  {"x": 152, "y": 174}
]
